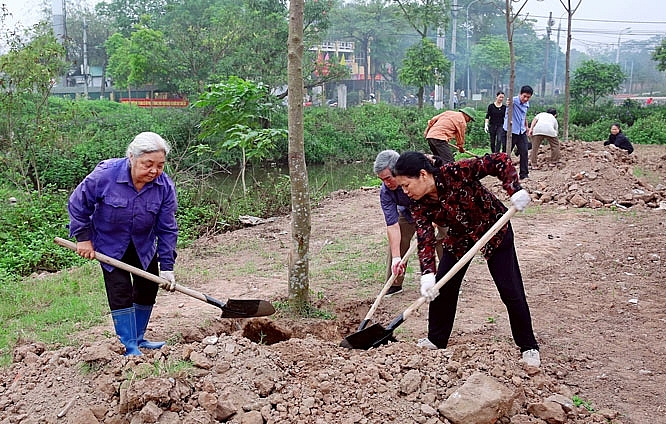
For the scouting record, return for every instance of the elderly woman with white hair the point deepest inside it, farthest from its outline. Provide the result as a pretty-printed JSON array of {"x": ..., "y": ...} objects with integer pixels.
[{"x": 126, "y": 209}]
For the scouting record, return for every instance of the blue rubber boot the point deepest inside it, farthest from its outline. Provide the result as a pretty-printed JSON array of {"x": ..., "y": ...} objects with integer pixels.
[
  {"x": 124, "y": 321},
  {"x": 142, "y": 317}
]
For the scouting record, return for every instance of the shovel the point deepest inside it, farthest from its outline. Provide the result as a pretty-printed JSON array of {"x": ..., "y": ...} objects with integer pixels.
[
  {"x": 388, "y": 284},
  {"x": 233, "y": 308},
  {"x": 464, "y": 151},
  {"x": 377, "y": 335}
]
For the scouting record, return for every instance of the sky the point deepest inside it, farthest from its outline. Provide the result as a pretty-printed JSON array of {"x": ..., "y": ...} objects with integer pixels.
[
  {"x": 599, "y": 23},
  {"x": 596, "y": 23}
]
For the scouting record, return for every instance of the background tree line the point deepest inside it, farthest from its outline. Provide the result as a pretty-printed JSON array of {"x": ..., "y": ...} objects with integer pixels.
[{"x": 229, "y": 58}]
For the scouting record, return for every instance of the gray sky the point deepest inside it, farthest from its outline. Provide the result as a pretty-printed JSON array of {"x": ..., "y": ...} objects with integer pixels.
[{"x": 597, "y": 23}]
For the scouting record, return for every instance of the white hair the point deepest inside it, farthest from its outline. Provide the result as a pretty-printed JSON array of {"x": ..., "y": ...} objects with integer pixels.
[
  {"x": 385, "y": 159},
  {"x": 147, "y": 142}
]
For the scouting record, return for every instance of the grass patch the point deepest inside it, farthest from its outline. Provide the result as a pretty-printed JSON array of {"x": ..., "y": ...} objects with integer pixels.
[
  {"x": 577, "y": 401},
  {"x": 173, "y": 368},
  {"x": 48, "y": 309},
  {"x": 339, "y": 261}
]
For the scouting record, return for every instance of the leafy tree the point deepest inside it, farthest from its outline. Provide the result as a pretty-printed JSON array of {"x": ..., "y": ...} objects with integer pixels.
[
  {"x": 27, "y": 74},
  {"x": 125, "y": 14},
  {"x": 492, "y": 56},
  {"x": 140, "y": 60},
  {"x": 372, "y": 26},
  {"x": 119, "y": 65},
  {"x": 424, "y": 15},
  {"x": 202, "y": 35},
  {"x": 424, "y": 65},
  {"x": 659, "y": 56},
  {"x": 238, "y": 115},
  {"x": 593, "y": 80}
]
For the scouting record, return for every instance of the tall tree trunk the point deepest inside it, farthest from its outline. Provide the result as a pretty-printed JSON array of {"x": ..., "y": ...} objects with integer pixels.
[
  {"x": 299, "y": 286},
  {"x": 512, "y": 75},
  {"x": 567, "y": 94}
]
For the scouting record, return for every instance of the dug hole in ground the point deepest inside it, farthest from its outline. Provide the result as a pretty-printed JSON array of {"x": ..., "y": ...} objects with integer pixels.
[{"x": 591, "y": 248}]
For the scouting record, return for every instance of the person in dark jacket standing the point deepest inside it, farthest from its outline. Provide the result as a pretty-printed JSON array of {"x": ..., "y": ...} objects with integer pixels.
[
  {"x": 494, "y": 120},
  {"x": 618, "y": 139},
  {"x": 126, "y": 209}
]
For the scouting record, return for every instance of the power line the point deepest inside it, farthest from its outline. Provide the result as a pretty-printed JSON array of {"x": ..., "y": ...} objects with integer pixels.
[{"x": 608, "y": 21}]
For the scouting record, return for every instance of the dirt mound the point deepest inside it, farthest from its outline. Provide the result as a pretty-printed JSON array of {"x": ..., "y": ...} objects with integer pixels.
[
  {"x": 594, "y": 283},
  {"x": 593, "y": 175}
]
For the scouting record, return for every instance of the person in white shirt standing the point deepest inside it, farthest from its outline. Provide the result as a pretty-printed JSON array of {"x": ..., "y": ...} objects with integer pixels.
[{"x": 544, "y": 126}]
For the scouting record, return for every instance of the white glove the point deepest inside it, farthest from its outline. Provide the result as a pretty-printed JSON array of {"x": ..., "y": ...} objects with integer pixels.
[
  {"x": 485, "y": 127},
  {"x": 397, "y": 267},
  {"x": 427, "y": 283},
  {"x": 520, "y": 199},
  {"x": 170, "y": 283}
]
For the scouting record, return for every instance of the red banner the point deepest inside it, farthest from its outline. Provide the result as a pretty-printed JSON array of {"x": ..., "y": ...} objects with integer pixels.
[{"x": 156, "y": 102}]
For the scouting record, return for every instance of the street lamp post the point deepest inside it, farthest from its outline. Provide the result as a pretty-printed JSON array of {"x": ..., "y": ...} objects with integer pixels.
[
  {"x": 468, "y": 36},
  {"x": 627, "y": 30}
]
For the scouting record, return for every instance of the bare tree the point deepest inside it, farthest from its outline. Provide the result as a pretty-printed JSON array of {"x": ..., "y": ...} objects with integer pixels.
[
  {"x": 299, "y": 286},
  {"x": 567, "y": 96}
]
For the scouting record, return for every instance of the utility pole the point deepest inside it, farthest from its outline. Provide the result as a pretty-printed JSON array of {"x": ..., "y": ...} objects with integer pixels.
[
  {"x": 452, "y": 82},
  {"x": 557, "y": 54},
  {"x": 85, "y": 57},
  {"x": 545, "y": 62},
  {"x": 468, "y": 33},
  {"x": 439, "y": 90}
]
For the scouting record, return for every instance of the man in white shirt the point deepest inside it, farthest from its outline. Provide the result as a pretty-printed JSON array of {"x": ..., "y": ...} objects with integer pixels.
[{"x": 544, "y": 126}]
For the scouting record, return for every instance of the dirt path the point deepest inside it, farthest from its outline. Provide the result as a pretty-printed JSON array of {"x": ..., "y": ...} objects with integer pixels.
[{"x": 594, "y": 278}]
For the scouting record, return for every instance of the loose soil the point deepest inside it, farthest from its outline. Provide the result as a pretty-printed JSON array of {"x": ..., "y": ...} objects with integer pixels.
[{"x": 592, "y": 250}]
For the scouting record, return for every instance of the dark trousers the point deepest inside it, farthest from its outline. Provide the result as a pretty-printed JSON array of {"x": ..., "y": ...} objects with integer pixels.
[
  {"x": 495, "y": 132},
  {"x": 407, "y": 230},
  {"x": 441, "y": 148},
  {"x": 123, "y": 289},
  {"x": 521, "y": 143},
  {"x": 504, "y": 269}
]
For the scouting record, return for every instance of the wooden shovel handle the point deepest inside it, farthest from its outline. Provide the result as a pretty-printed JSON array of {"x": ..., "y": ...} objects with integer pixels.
[
  {"x": 389, "y": 282},
  {"x": 464, "y": 260},
  {"x": 134, "y": 270}
]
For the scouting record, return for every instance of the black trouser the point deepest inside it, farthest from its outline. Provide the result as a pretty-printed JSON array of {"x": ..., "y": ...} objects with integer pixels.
[
  {"x": 441, "y": 148},
  {"x": 504, "y": 269},
  {"x": 520, "y": 141},
  {"x": 495, "y": 131},
  {"x": 124, "y": 289}
]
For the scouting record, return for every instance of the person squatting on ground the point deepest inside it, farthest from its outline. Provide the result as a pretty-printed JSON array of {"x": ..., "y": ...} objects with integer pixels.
[
  {"x": 544, "y": 126},
  {"x": 494, "y": 121},
  {"x": 446, "y": 126},
  {"x": 519, "y": 127},
  {"x": 126, "y": 209},
  {"x": 618, "y": 139},
  {"x": 452, "y": 195},
  {"x": 400, "y": 225}
]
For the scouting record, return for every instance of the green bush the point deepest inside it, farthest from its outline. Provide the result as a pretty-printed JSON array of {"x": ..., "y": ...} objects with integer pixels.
[
  {"x": 359, "y": 133},
  {"x": 649, "y": 130},
  {"x": 28, "y": 229},
  {"x": 596, "y": 131}
]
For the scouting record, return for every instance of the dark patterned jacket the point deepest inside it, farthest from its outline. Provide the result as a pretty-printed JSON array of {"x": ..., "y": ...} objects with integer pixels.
[{"x": 465, "y": 206}]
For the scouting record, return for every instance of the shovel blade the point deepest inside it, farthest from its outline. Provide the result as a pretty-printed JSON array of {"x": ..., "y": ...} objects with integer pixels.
[
  {"x": 373, "y": 336},
  {"x": 246, "y": 308}
]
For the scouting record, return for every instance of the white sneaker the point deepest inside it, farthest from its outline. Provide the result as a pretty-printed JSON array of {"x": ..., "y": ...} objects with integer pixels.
[
  {"x": 424, "y": 342},
  {"x": 532, "y": 358}
]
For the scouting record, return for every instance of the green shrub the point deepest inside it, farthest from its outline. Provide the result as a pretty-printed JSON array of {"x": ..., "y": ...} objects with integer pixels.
[
  {"x": 28, "y": 229},
  {"x": 596, "y": 131},
  {"x": 649, "y": 130}
]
